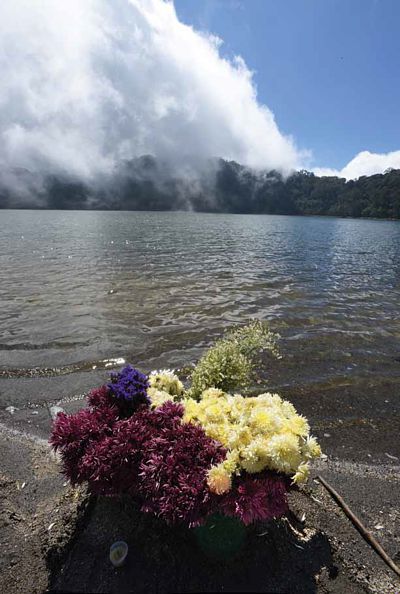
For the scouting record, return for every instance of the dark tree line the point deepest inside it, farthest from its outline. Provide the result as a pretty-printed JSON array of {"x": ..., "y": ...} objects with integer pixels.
[
  {"x": 303, "y": 193},
  {"x": 225, "y": 186}
]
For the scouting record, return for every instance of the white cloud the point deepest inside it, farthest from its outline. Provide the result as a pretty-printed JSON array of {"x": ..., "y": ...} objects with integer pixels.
[
  {"x": 365, "y": 163},
  {"x": 86, "y": 83}
]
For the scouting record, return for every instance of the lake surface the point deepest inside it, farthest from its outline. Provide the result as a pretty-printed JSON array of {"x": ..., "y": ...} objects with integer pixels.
[{"x": 79, "y": 288}]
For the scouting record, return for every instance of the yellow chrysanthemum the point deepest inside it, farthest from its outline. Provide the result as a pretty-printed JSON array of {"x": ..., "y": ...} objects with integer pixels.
[
  {"x": 302, "y": 474},
  {"x": 239, "y": 438},
  {"x": 213, "y": 413},
  {"x": 284, "y": 451},
  {"x": 218, "y": 431},
  {"x": 270, "y": 399},
  {"x": 263, "y": 432},
  {"x": 165, "y": 380},
  {"x": 311, "y": 448},
  {"x": 219, "y": 480},
  {"x": 158, "y": 397},
  {"x": 231, "y": 462},
  {"x": 287, "y": 408},
  {"x": 254, "y": 457},
  {"x": 296, "y": 424},
  {"x": 212, "y": 393},
  {"x": 191, "y": 410},
  {"x": 266, "y": 420}
]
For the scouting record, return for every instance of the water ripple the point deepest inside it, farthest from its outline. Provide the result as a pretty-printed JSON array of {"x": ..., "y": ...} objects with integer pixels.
[{"x": 78, "y": 287}]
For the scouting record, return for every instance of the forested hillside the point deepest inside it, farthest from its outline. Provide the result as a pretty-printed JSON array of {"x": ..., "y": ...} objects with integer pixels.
[{"x": 222, "y": 186}]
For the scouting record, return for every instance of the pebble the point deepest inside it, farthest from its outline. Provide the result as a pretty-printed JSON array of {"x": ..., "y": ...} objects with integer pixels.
[{"x": 54, "y": 410}]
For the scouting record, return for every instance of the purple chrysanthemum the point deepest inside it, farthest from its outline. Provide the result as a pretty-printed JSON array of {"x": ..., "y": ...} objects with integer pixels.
[
  {"x": 130, "y": 385},
  {"x": 173, "y": 471},
  {"x": 150, "y": 455},
  {"x": 256, "y": 497},
  {"x": 101, "y": 398},
  {"x": 111, "y": 466},
  {"x": 72, "y": 434}
]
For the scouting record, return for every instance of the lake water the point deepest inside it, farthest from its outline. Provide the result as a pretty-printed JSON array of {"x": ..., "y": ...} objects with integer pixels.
[{"x": 79, "y": 288}]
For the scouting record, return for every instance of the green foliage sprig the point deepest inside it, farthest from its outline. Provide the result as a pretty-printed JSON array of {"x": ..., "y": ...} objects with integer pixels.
[{"x": 229, "y": 364}]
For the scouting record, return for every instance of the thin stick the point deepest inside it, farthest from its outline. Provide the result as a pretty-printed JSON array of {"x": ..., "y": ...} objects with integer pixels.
[{"x": 360, "y": 527}]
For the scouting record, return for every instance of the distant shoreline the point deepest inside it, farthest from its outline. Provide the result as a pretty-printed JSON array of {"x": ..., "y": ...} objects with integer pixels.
[{"x": 210, "y": 212}]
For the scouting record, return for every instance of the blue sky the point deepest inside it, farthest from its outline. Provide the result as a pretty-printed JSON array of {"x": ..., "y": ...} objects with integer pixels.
[{"x": 328, "y": 69}]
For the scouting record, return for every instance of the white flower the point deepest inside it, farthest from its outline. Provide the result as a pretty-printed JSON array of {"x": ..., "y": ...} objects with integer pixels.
[{"x": 165, "y": 380}]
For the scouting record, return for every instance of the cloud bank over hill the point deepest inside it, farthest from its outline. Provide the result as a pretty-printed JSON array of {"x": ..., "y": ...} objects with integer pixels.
[
  {"x": 365, "y": 163},
  {"x": 89, "y": 83}
]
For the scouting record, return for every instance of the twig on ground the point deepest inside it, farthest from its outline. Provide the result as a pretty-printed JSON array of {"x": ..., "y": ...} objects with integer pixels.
[{"x": 360, "y": 527}]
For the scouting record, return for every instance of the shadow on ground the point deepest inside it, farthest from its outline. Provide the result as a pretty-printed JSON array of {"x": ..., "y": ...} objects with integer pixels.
[{"x": 275, "y": 558}]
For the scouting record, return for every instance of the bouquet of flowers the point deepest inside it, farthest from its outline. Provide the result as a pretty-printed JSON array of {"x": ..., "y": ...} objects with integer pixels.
[{"x": 186, "y": 454}]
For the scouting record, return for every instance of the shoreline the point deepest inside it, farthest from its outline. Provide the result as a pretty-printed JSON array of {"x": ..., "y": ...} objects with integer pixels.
[
  {"x": 210, "y": 212},
  {"x": 359, "y": 422}
]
